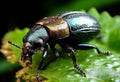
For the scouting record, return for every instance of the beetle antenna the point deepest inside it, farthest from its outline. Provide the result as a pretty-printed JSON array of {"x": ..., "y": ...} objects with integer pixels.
[{"x": 14, "y": 44}]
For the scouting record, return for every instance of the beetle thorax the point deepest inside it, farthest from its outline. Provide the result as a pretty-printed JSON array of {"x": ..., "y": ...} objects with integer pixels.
[
  {"x": 56, "y": 26},
  {"x": 36, "y": 33}
]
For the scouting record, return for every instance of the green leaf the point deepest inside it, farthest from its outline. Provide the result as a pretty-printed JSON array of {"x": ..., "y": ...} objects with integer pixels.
[
  {"x": 99, "y": 68},
  {"x": 12, "y": 53},
  {"x": 6, "y": 66}
]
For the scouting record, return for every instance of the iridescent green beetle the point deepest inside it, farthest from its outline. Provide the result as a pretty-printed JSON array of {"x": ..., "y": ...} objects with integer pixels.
[{"x": 71, "y": 30}]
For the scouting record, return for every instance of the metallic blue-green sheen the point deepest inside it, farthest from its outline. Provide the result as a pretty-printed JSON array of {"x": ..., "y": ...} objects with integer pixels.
[
  {"x": 35, "y": 33},
  {"x": 83, "y": 27}
]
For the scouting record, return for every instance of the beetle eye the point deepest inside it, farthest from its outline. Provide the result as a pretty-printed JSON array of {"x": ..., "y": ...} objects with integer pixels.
[
  {"x": 26, "y": 47},
  {"x": 40, "y": 41},
  {"x": 28, "y": 44}
]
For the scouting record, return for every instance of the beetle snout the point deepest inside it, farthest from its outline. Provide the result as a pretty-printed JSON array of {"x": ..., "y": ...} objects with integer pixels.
[{"x": 26, "y": 58}]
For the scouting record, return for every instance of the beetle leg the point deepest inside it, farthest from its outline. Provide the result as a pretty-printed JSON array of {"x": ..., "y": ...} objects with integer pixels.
[
  {"x": 71, "y": 51},
  {"x": 56, "y": 54},
  {"x": 88, "y": 46},
  {"x": 52, "y": 46},
  {"x": 45, "y": 51}
]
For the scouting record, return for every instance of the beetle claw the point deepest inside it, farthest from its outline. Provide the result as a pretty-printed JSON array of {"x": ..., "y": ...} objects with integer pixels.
[
  {"x": 106, "y": 53},
  {"x": 38, "y": 76},
  {"x": 83, "y": 74}
]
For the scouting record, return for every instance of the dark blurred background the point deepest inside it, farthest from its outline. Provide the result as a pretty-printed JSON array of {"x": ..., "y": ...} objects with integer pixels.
[{"x": 20, "y": 14}]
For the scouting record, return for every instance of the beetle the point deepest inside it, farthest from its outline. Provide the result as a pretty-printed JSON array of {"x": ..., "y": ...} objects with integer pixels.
[{"x": 71, "y": 30}]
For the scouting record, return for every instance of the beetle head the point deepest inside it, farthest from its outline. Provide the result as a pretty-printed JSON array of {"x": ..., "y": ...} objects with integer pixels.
[
  {"x": 25, "y": 49},
  {"x": 27, "y": 52},
  {"x": 35, "y": 39},
  {"x": 30, "y": 48}
]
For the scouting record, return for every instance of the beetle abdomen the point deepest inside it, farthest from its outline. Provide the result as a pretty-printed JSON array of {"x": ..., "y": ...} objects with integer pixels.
[{"x": 83, "y": 27}]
